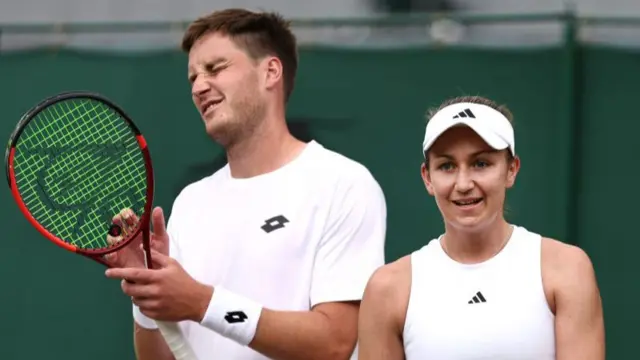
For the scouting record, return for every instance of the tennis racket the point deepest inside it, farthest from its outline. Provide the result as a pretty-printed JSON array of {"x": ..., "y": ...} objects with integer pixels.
[{"x": 75, "y": 160}]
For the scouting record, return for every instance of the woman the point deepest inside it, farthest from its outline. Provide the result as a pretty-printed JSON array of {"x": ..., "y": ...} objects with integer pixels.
[{"x": 485, "y": 289}]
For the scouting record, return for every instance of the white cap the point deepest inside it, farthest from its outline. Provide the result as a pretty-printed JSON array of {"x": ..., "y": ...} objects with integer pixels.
[{"x": 493, "y": 127}]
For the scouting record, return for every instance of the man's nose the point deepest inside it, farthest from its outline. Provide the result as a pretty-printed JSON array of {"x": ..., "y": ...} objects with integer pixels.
[{"x": 200, "y": 86}]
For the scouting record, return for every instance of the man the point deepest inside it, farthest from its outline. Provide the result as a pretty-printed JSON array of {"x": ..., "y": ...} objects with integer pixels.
[{"x": 287, "y": 232}]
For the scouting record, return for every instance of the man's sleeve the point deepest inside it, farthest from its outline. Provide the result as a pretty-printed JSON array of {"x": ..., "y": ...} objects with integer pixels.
[{"x": 352, "y": 246}]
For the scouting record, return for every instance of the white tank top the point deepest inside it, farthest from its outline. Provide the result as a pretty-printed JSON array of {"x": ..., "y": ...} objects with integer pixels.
[{"x": 493, "y": 310}]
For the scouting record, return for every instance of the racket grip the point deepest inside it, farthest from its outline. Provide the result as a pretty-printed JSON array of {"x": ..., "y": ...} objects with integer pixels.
[{"x": 176, "y": 341}]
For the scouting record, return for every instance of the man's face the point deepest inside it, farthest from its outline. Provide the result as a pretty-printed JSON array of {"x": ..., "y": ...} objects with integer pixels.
[{"x": 225, "y": 87}]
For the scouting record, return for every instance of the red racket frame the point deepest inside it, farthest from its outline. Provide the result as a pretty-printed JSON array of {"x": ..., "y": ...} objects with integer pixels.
[{"x": 144, "y": 222}]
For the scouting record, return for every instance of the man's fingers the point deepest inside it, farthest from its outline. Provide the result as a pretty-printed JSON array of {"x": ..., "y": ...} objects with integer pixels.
[
  {"x": 156, "y": 245},
  {"x": 111, "y": 240},
  {"x": 126, "y": 219},
  {"x": 130, "y": 218},
  {"x": 157, "y": 220},
  {"x": 115, "y": 235},
  {"x": 140, "y": 292},
  {"x": 117, "y": 218},
  {"x": 135, "y": 275},
  {"x": 124, "y": 222},
  {"x": 144, "y": 303},
  {"x": 159, "y": 259},
  {"x": 110, "y": 258}
]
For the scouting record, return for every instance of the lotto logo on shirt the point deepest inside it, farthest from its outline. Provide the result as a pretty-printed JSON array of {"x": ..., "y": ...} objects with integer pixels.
[{"x": 274, "y": 223}]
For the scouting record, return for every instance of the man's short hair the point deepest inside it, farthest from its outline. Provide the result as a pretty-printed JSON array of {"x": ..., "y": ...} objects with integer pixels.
[{"x": 258, "y": 33}]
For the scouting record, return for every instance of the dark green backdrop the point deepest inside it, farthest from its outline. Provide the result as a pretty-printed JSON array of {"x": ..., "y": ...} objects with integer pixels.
[{"x": 368, "y": 105}]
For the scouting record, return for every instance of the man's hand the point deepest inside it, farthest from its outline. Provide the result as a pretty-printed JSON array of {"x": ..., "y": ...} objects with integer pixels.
[
  {"x": 166, "y": 293},
  {"x": 132, "y": 255}
]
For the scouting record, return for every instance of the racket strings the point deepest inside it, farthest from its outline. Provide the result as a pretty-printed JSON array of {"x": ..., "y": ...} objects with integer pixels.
[{"x": 76, "y": 165}]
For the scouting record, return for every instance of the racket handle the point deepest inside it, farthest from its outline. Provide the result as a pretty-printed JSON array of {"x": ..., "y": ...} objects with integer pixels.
[{"x": 175, "y": 339}]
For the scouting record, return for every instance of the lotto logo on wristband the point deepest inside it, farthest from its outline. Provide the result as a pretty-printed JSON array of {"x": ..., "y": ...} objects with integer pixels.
[
  {"x": 234, "y": 317},
  {"x": 239, "y": 325}
]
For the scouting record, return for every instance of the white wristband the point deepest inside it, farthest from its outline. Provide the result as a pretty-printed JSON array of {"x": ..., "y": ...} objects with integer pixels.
[
  {"x": 142, "y": 320},
  {"x": 232, "y": 316}
]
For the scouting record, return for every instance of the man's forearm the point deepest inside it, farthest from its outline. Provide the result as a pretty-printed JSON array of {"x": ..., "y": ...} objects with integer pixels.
[
  {"x": 150, "y": 345},
  {"x": 300, "y": 335},
  {"x": 328, "y": 331}
]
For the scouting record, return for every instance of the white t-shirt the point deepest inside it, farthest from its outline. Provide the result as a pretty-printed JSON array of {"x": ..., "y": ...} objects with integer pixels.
[
  {"x": 310, "y": 232},
  {"x": 493, "y": 310}
]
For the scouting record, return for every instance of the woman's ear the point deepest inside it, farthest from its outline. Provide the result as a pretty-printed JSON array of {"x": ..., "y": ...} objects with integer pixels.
[
  {"x": 426, "y": 178},
  {"x": 512, "y": 171}
]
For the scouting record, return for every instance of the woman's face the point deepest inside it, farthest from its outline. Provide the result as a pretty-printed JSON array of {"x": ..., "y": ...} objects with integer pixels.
[{"x": 468, "y": 178}]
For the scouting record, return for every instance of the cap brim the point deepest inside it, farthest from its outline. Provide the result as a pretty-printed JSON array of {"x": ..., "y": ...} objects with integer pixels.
[{"x": 492, "y": 139}]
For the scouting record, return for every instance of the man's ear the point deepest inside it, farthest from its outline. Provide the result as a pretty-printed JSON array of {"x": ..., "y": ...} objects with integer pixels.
[{"x": 273, "y": 72}]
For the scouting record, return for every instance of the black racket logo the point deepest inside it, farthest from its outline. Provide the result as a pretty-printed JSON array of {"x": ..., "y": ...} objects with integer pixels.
[{"x": 61, "y": 184}]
